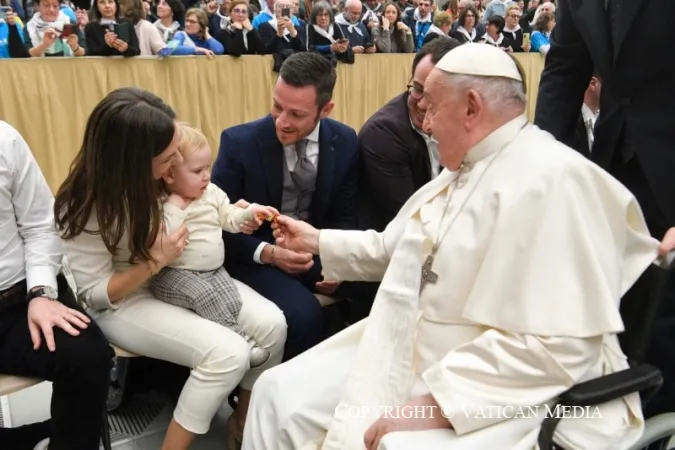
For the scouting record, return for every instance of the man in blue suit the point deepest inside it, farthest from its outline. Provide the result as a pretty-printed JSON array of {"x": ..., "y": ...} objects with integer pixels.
[{"x": 305, "y": 165}]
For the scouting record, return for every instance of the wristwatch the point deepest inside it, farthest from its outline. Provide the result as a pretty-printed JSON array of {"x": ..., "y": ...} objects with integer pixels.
[{"x": 42, "y": 291}]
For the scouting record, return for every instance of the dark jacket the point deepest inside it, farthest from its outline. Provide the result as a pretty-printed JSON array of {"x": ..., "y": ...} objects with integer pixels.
[{"x": 393, "y": 164}]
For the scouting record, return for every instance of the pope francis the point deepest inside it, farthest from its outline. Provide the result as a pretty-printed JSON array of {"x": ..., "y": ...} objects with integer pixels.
[{"x": 501, "y": 280}]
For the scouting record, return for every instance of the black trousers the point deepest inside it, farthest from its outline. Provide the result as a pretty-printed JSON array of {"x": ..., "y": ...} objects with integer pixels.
[
  {"x": 661, "y": 351},
  {"x": 79, "y": 369}
]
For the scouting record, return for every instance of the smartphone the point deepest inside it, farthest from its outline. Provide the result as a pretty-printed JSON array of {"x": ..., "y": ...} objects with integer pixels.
[
  {"x": 111, "y": 27},
  {"x": 286, "y": 12},
  {"x": 68, "y": 29},
  {"x": 4, "y": 10},
  {"x": 526, "y": 38}
]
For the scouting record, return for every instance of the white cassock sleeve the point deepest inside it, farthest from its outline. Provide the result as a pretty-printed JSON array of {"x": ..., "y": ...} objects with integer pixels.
[
  {"x": 353, "y": 255},
  {"x": 348, "y": 255},
  {"x": 498, "y": 370}
]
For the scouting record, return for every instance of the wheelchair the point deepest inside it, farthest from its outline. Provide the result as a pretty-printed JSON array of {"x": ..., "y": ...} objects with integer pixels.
[{"x": 639, "y": 308}]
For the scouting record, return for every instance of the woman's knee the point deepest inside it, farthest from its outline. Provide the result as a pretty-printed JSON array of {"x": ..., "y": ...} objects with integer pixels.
[
  {"x": 229, "y": 357},
  {"x": 275, "y": 328}
]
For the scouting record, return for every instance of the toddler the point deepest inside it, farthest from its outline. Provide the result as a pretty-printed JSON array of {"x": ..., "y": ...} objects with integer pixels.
[{"x": 197, "y": 280}]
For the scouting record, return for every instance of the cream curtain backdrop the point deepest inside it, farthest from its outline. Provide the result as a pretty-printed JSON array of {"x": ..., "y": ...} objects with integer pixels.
[{"x": 49, "y": 99}]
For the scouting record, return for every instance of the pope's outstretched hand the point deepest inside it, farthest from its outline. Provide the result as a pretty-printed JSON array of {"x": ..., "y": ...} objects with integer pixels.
[{"x": 296, "y": 235}]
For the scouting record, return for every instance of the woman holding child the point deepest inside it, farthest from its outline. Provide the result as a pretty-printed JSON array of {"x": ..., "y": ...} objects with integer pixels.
[{"x": 109, "y": 213}]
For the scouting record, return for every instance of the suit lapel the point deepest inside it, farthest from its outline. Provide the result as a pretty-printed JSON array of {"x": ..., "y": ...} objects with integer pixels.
[
  {"x": 592, "y": 17},
  {"x": 272, "y": 157},
  {"x": 629, "y": 10},
  {"x": 324, "y": 176}
]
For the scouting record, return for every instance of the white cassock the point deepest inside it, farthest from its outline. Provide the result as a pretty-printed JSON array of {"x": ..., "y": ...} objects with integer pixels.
[{"x": 537, "y": 247}]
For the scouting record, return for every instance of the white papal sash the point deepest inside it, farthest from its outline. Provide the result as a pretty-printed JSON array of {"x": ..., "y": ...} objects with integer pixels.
[{"x": 383, "y": 372}]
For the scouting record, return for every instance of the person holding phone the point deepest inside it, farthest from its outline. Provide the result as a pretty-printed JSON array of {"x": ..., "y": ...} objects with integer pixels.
[
  {"x": 353, "y": 29},
  {"x": 325, "y": 37},
  {"x": 51, "y": 33},
  {"x": 11, "y": 35},
  {"x": 108, "y": 34},
  {"x": 279, "y": 35}
]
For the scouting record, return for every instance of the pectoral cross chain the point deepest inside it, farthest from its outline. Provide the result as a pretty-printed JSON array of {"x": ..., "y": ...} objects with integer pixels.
[{"x": 428, "y": 275}]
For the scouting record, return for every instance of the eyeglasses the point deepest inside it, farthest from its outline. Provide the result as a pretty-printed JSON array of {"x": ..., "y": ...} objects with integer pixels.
[
  {"x": 515, "y": 16},
  {"x": 415, "y": 91},
  {"x": 240, "y": 11}
]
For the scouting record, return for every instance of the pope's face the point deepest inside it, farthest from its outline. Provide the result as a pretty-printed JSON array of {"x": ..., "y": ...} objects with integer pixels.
[{"x": 446, "y": 117}]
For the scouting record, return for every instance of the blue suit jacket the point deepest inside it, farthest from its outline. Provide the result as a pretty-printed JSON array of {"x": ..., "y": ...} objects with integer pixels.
[{"x": 250, "y": 166}]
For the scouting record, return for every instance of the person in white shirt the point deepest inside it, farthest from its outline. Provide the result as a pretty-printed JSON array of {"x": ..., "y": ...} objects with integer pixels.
[
  {"x": 197, "y": 280},
  {"x": 44, "y": 333}
]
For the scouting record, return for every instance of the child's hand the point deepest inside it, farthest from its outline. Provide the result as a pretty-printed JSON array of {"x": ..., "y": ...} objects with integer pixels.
[
  {"x": 178, "y": 201},
  {"x": 260, "y": 214}
]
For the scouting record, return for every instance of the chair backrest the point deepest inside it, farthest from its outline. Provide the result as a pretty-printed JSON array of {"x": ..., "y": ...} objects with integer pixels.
[{"x": 639, "y": 308}]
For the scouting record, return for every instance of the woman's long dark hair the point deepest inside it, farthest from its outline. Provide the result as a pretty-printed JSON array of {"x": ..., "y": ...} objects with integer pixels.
[{"x": 111, "y": 177}]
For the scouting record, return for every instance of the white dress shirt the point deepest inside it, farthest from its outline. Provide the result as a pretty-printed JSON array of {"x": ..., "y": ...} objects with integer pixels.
[
  {"x": 589, "y": 118},
  {"x": 30, "y": 247},
  {"x": 432, "y": 148},
  {"x": 312, "y": 153}
]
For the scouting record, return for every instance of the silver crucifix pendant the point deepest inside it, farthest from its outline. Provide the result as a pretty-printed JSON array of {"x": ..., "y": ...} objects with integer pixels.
[{"x": 428, "y": 275}]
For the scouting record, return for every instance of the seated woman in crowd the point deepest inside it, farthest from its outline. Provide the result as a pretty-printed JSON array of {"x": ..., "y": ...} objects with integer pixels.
[
  {"x": 542, "y": 30},
  {"x": 393, "y": 36},
  {"x": 279, "y": 34},
  {"x": 440, "y": 28},
  {"x": 195, "y": 40},
  {"x": 325, "y": 37},
  {"x": 171, "y": 15},
  {"x": 466, "y": 32},
  {"x": 150, "y": 40},
  {"x": 51, "y": 33},
  {"x": 109, "y": 215},
  {"x": 108, "y": 35},
  {"x": 241, "y": 38}
]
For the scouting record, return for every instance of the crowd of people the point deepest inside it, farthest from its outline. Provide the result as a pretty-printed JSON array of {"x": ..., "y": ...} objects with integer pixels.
[
  {"x": 336, "y": 29},
  {"x": 487, "y": 257}
]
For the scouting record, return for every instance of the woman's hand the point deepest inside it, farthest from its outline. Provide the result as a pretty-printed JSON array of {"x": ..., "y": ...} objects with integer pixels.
[
  {"x": 527, "y": 47},
  {"x": 120, "y": 46},
  {"x": 110, "y": 38},
  {"x": 237, "y": 25},
  {"x": 168, "y": 247},
  {"x": 205, "y": 51},
  {"x": 49, "y": 37},
  {"x": 402, "y": 27},
  {"x": 207, "y": 35},
  {"x": 82, "y": 17},
  {"x": 73, "y": 42},
  {"x": 247, "y": 24},
  {"x": 339, "y": 46},
  {"x": 385, "y": 23},
  {"x": 211, "y": 7},
  {"x": 358, "y": 49}
]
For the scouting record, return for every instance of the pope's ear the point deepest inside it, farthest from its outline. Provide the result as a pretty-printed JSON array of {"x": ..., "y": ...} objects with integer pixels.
[{"x": 475, "y": 105}]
